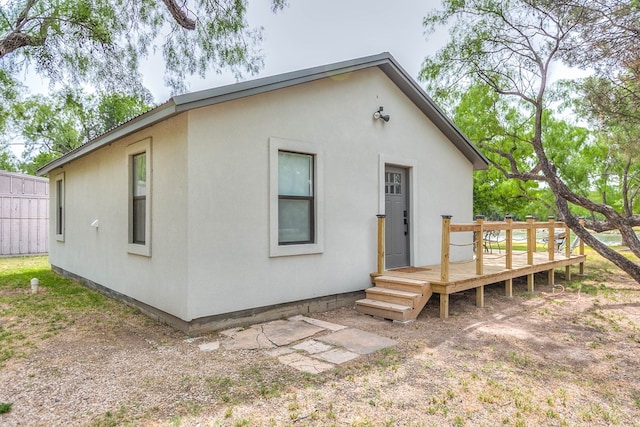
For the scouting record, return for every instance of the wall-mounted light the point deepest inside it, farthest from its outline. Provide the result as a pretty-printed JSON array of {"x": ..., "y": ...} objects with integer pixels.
[{"x": 378, "y": 115}]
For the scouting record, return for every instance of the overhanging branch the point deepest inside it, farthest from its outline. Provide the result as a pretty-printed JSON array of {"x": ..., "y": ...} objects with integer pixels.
[{"x": 179, "y": 15}]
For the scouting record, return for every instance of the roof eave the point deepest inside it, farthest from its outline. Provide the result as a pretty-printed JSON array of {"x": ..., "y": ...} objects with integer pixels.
[
  {"x": 222, "y": 94},
  {"x": 189, "y": 101},
  {"x": 145, "y": 120},
  {"x": 424, "y": 102}
]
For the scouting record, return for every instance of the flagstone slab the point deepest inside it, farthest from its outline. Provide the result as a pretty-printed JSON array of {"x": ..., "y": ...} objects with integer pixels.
[
  {"x": 284, "y": 332},
  {"x": 321, "y": 323},
  {"x": 336, "y": 356},
  {"x": 358, "y": 341},
  {"x": 278, "y": 333},
  {"x": 209, "y": 346},
  {"x": 312, "y": 347}
]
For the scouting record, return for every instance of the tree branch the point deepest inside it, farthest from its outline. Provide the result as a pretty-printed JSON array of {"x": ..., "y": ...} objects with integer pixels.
[
  {"x": 179, "y": 15},
  {"x": 17, "y": 40}
]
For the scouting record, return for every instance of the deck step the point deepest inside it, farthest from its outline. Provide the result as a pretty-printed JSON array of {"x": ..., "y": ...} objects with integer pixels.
[
  {"x": 402, "y": 284},
  {"x": 394, "y": 296},
  {"x": 383, "y": 309}
]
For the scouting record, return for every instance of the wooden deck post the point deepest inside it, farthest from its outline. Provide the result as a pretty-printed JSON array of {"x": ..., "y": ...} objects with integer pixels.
[
  {"x": 380, "y": 244},
  {"x": 479, "y": 237},
  {"x": 531, "y": 238},
  {"x": 581, "y": 271},
  {"x": 444, "y": 306},
  {"x": 551, "y": 246},
  {"x": 531, "y": 248},
  {"x": 508, "y": 284},
  {"x": 444, "y": 253},
  {"x": 551, "y": 249},
  {"x": 479, "y": 259},
  {"x": 567, "y": 251}
]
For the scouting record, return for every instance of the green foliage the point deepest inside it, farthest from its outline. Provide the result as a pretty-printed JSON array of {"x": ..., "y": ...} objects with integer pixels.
[
  {"x": 503, "y": 133},
  {"x": 101, "y": 42},
  {"x": 54, "y": 125},
  {"x": 497, "y": 68},
  {"x": 8, "y": 161}
]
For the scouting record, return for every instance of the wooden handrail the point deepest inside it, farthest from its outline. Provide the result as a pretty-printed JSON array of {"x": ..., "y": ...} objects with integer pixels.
[{"x": 508, "y": 225}]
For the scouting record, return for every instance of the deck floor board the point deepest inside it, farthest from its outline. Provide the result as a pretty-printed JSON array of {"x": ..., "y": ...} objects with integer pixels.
[{"x": 462, "y": 275}]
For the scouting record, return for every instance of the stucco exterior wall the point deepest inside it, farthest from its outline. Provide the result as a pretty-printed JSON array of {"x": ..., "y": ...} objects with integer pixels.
[
  {"x": 211, "y": 199},
  {"x": 230, "y": 267},
  {"x": 96, "y": 188}
]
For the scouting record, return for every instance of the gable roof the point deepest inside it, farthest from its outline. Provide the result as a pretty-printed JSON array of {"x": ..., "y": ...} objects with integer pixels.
[{"x": 181, "y": 103}]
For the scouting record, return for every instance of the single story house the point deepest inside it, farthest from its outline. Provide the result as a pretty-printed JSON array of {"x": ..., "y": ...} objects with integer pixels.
[{"x": 258, "y": 200}]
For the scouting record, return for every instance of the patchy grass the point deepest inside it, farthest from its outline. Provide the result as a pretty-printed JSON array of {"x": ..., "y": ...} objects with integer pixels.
[
  {"x": 552, "y": 359},
  {"x": 30, "y": 318},
  {"x": 5, "y": 407}
]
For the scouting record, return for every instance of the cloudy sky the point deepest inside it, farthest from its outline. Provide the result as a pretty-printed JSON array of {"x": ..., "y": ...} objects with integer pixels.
[{"x": 310, "y": 33}]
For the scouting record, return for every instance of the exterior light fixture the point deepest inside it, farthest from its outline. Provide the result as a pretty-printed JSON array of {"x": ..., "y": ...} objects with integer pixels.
[{"x": 378, "y": 115}]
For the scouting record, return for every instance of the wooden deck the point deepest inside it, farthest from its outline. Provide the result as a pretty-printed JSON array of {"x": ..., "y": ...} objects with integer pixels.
[
  {"x": 400, "y": 294},
  {"x": 462, "y": 276}
]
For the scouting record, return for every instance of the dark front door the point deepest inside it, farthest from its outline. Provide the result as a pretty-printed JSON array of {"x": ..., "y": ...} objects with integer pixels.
[{"x": 397, "y": 217}]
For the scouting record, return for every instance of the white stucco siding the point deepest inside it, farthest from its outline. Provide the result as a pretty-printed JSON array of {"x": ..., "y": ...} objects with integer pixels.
[
  {"x": 230, "y": 267},
  {"x": 97, "y": 188}
]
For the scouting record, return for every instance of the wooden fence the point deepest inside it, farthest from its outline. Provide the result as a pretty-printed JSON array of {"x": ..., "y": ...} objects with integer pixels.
[{"x": 24, "y": 214}]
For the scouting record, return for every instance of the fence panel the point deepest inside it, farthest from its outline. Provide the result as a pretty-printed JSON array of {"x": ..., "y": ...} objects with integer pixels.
[{"x": 24, "y": 214}]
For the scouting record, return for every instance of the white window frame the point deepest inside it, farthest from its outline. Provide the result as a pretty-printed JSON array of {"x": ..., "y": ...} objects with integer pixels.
[
  {"x": 317, "y": 246},
  {"x": 59, "y": 201},
  {"x": 139, "y": 147}
]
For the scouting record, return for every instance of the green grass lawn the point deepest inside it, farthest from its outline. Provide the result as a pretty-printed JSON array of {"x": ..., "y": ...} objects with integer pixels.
[{"x": 28, "y": 318}]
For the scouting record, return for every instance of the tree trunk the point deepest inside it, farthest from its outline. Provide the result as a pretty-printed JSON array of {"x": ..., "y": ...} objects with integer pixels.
[{"x": 630, "y": 267}]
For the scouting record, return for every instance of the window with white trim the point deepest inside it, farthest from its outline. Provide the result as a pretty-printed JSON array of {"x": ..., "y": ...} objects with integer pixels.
[
  {"x": 139, "y": 183},
  {"x": 295, "y": 198},
  {"x": 59, "y": 207},
  {"x": 296, "y": 202},
  {"x": 139, "y": 198}
]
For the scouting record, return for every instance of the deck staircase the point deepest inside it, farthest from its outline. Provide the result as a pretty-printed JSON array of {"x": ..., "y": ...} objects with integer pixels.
[{"x": 395, "y": 298}]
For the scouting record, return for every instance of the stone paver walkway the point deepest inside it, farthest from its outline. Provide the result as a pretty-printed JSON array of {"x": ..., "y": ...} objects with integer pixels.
[{"x": 290, "y": 342}]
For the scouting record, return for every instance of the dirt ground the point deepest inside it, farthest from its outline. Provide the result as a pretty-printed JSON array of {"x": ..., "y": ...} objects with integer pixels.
[{"x": 564, "y": 358}]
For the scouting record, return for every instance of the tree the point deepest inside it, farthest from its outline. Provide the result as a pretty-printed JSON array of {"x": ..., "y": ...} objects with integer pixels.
[
  {"x": 7, "y": 160},
  {"x": 52, "y": 126},
  {"x": 101, "y": 41},
  {"x": 496, "y": 127},
  {"x": 513, "y": 47}
]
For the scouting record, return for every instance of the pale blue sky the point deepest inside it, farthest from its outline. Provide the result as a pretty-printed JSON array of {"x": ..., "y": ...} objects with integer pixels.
[{"x": 309, "y": 33}]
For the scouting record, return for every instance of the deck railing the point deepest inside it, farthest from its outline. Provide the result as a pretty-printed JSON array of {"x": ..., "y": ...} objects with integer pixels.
[{"x": 479, "y": 227}]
